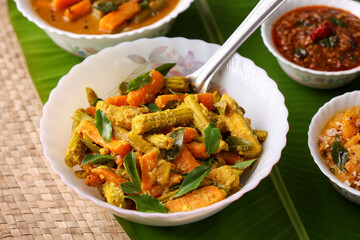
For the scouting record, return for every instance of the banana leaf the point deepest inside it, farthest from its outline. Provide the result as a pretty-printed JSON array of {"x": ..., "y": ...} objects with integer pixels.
[{"x": 295, "y": 202}]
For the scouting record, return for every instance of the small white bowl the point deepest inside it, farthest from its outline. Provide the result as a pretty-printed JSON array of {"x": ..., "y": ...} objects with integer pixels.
[
  {"x": 320, "y": 119},
  {"x": 306, "y": 76},
  {"x": 248, "y": 84},
  {"x": 83, "y": 45}
]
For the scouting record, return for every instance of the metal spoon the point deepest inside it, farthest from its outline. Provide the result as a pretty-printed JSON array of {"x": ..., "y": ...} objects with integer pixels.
[{"x": 258, "y": 15}]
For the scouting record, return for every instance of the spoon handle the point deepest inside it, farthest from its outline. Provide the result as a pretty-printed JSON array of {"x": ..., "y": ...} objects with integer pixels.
[{"x": 257, "y": 16}]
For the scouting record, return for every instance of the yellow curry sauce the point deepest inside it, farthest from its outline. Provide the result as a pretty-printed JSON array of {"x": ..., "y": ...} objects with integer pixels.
[
  {"x": 346, "y": 127},
  {"x": 89, "y": 24}
]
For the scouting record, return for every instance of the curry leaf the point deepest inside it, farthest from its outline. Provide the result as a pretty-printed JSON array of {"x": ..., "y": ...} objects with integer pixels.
[
  {"x": 96, "y": 100},
  {"x": 152, "y": 107},
  {"x": 139, "y": 81},
  {"x": 339, "y": 154},
  {"x": 338, "y": 22},
  {"x": 103, "y": 125},
  {"x": 243, "y": 164},
  {"x": 93, "y": 147},
  {"x": 193, "y": 180},
  {"x": 178, "y": 136},
  {"x": 212, "y": 137},
  {"x": 147, "y": 203},
  {"x": 131, "y": 188},
  {"x": 123, "y": 88},
  {"x": 130, "y": 166},
  {"x": 165, "y": 68},
  {"x": 328, "y": 41},
  {"x": 106, "y": 6},
  {"x": 145, "y": 78},
  {"x": 96, "y": 158},
  {"x": 238, "y": 144},
  {"x": 300, "y": 52}
]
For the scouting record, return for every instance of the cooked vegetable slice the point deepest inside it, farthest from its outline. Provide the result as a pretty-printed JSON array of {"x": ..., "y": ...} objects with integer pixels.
[
  {"x": 109, "y": 176},
  {"x": 202, "y": 197},
  {"x": 114, "y": 19},
  {"x": 185, "y": 161},
  {"x": 147, "y": 93},
  {"x": 77, "y": 10}
]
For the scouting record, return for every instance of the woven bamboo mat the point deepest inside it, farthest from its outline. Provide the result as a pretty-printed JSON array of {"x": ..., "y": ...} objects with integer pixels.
[{"x": 34, "y": 202}]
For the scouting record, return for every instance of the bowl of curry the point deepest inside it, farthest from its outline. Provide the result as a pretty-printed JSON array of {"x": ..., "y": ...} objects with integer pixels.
[
  {"x": 333, "y": 139},
  {"x": 316, "y": 42},
  {"x": 173, "y": 156},
  {"x": 84, "y": 27}
]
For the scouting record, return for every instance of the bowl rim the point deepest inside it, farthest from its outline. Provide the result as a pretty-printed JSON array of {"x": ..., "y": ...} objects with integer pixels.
[
  {"x": 160, "y": 216},
  {"x": 312, "y": 142},
  {"x": 31, "y": 15},
  {"x": 267, "y": 39}
]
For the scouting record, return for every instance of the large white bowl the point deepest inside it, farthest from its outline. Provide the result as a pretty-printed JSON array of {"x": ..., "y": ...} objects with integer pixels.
[
  {"x": 307, "y": 76},
  {"x": 240, "y": 78},
  {"x": 323, "y": 116},
  {"x": 83, "y": 45}
]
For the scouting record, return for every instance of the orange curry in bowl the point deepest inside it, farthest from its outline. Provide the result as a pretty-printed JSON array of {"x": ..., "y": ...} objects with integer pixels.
[
  {"x": 319, "y": 37},
  {"x": 339, "y": 146},
  {"x": 102, "y": 16}
]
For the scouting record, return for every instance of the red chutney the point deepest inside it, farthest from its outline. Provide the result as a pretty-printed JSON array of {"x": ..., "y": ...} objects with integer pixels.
[
  {"x": 346, "y": 127},
  {"x": 319, "y": 37}
]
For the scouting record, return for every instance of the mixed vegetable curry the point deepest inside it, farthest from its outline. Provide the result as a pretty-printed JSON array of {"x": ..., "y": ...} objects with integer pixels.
[
  {"x": 339, "y": 146},
  {"x": 159, "y": 147},
  {"x": 102, "y": 16}
]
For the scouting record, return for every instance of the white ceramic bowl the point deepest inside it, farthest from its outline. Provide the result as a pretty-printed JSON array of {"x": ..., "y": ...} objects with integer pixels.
[
  {"x": 84, "y": 45},
  {"x": 240, "y": 78},
  {"x": 324, "y": 114},
  {"x": 306, "y": 76}
]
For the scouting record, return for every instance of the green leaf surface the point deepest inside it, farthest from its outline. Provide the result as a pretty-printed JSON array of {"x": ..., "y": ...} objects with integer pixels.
[
  {"x": 152, "y": 107},
  {"x": 295, "y": 202},
  {"x": 130, "y": 166},
  {"x": 193, "y": 180},
  {"x": 212, "y": 137},
  {"x": 244, "y": 164},
  {"x": 96, "y": 158},
  {"x": 339, "y": 154},
  {"x": 147, "y": 203},
  {"x": 139, "y": 81},
  {"x": 165, "y": 68},
  {"x": 178, "y": 136},
  {"x": 103, "y": 125},
  {"x": 131, "y": 188}
]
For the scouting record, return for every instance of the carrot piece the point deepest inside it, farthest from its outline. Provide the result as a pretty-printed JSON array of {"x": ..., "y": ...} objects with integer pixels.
[
  {"x": 117, "y": 146},
  {"x": 207, "y": 99},
  {"x": 61, "y": 4},
  {"x": 115, "y": 18},
  {"x": 162, "y": 100},
  {"x": 185, "y": 161},
  {"x": 94, "y": 180},
  {"x": 109, "y": 176},
  {"x": 197, "y": 149},
  {"x": 148, "y": 163},
  {"x": 199, "y": 198},
  {"x": 118, "y": 100},
  {"x": 91, "y": 111},
  {"x": 230, "y": 157},
  {"x": 190, "y": 134},
  {"x": 148, "y": 92},
  {"x": 77, "y": 10}
]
